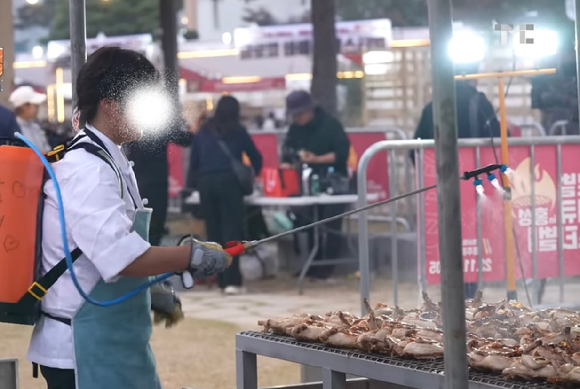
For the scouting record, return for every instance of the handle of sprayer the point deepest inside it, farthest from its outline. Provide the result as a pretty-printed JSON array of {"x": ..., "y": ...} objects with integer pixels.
[
  {"x": 237, "y": 248},
  {"x": 232, "y": 248}
]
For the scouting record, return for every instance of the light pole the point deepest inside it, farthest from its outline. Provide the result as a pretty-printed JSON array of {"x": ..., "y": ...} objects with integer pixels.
[
  {"x": 448, "y": 194},
  {"x": 78, "y": 42}
]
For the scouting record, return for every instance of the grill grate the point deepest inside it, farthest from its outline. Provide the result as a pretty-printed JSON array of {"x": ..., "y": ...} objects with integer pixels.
[{"x": 434, "y": 367}]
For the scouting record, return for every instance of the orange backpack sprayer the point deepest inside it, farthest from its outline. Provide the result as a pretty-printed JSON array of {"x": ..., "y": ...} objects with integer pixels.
[
  {"x": 21, "y": 181},
  {"x": 22, "y": 176},
  {"x": 24, "y": 171}
]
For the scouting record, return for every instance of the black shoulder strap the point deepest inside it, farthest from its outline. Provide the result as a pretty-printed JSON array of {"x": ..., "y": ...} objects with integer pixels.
[
  {"x": 102, "y": 152},
  {"x": 97, "y": 140},
  {"x": 104, "y": 156},
  {"x": 225, "y": 149},
  {"x": 40, "y": 287}
]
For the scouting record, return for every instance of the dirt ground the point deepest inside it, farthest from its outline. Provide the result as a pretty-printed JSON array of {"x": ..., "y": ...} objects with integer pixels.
[{"x": 196, "y": 354}]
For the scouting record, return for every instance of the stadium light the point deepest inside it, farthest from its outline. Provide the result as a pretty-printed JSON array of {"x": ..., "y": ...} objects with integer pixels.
[{"x": 467, "y": 48}]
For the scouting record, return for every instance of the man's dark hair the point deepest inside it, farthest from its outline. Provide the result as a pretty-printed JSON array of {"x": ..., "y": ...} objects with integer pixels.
[{"x": 110, "y": 73}]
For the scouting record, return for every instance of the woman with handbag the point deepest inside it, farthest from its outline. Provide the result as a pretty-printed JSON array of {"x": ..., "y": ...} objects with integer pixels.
[{"x": 223, "y": 180}]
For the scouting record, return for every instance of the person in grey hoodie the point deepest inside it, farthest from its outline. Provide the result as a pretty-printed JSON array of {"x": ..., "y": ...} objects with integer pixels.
[{"x": 26, "y": 102}]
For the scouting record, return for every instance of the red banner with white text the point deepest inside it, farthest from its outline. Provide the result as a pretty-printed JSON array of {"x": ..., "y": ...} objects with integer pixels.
[{"x": 544, "y": 174}]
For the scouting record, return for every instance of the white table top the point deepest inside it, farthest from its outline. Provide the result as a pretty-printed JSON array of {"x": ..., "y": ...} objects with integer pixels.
[{"x": 293, "y": 201}]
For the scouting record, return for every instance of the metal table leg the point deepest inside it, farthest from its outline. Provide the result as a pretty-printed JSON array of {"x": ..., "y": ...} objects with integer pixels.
[
  {"x": 312, "y": 255},
  {"x": 333, "y": 379},
  {"x": 246, "y": 370}
]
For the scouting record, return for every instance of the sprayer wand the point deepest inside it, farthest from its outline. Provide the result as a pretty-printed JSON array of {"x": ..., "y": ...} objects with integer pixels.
[{"x": 239, "y": 248}]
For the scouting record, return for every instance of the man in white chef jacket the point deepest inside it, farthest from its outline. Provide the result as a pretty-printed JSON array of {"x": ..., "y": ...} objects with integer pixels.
[{"x": 78, "y": 344}]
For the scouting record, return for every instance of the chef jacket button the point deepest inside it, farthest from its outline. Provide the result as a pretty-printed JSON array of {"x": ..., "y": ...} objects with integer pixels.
[
  {"x": 145, "y": 201},
  {"x": 131, "y": 163}
]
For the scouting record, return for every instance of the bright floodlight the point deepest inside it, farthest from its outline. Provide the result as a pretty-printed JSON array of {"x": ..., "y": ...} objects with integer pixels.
[
  {"x": 32, "y": 1},
  {"x": 545, "y": 44},
  {"x": 37, "y": 52},
  {"x": 466, "y": 48},
  {"x": 242, "y": 37},
  {"x": 376, "y": 69},
  {"x": 227, "y": 38},
  {"x": 374, "y": 57},
  {"x": 150, "y": 109}
]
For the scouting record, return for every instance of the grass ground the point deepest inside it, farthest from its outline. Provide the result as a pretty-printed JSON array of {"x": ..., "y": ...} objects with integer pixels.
[{"x": 195, "y": 354}]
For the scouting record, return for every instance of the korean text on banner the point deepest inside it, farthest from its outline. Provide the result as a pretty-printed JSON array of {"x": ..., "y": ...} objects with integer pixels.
[{"x": 543, "y": 174}]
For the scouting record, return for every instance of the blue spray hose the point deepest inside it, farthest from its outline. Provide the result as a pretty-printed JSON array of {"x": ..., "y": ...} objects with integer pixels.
[{"x": 68, "y": 258}]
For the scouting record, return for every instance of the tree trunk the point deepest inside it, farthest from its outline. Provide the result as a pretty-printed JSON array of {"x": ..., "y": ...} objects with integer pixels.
[
  {"x": 168, "y": 19},
  {"x": 325, "y": 65}
]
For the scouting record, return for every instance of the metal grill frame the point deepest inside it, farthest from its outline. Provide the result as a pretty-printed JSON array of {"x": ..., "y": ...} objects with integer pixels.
[{"x": 336, "y": 363}]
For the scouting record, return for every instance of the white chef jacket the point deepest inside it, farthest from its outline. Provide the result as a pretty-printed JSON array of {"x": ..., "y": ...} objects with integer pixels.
[{"x": 98, "y": 221}]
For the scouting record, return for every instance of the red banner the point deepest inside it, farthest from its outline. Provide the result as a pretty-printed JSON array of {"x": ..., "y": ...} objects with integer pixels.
[
  {"x": 176, "y": 175},
  {"x": 492, "y": 214},
  {"x": 377, "y": 172},
  {"x": 267, "y": 145}
]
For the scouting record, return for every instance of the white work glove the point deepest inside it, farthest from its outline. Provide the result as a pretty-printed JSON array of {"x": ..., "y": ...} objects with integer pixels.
[{"x": 207, "y": 259}]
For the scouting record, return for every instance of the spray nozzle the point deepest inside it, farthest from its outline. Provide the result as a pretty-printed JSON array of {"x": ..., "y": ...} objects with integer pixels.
[
  {"x": 510, "y": 174},
  {"x": 478, "y": 186},
  {"x": 494, "y": 181}
]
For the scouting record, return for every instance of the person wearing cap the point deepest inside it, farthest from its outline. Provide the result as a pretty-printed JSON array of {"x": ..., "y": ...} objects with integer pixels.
[
  {"x": 318, "y": 140},
  {"x": 26, "y": 102}
]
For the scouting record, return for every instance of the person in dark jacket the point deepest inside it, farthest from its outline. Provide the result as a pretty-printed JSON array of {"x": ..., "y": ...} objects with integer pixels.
[
  {"x": 152, "y": 173},
  {"x": 8, "y": 123},
  {"x": 318, "y": 140},
  {"x": 476, "y": 118},
  {"x": 221, "y": 196}
]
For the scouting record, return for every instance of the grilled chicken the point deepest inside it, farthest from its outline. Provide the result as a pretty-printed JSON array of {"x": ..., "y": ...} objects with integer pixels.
[
  {"x": 495, "y": 363},
  {"x": 506, "y": 337},
  {"x": 423, "y": 349}
]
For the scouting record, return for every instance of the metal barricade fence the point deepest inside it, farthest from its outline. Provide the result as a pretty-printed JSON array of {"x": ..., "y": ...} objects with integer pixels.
[
  {"x": 420, "y": 147},
  {"x": 560, "y": 124},
  {"x": 535, "y": 128}
]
